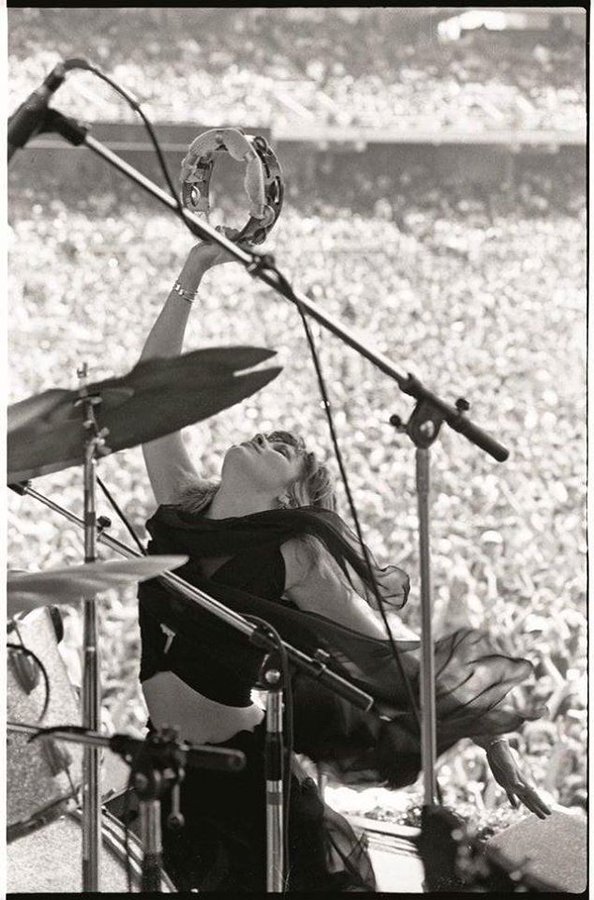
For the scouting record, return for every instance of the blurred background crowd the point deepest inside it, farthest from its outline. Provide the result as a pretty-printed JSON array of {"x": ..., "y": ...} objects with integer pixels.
[
  {"x": 475, "y": 284},
  {"x": 328, "y": 66}
]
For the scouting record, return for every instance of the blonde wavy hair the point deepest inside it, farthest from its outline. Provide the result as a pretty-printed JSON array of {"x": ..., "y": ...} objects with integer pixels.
[{"x": 314, "y": 486}]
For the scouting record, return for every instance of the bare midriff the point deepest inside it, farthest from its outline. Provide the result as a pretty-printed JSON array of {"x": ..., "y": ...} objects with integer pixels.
[{"x": 172, "y": 702}]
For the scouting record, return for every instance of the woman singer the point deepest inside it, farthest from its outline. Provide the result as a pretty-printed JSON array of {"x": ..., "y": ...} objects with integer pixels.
[{"x": 266, "y": 540}]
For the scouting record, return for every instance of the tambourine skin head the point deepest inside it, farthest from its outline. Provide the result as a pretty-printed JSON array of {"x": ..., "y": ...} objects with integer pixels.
[{"x": 263, "y": 181}]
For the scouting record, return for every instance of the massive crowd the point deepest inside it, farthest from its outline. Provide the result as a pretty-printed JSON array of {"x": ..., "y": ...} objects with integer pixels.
[
  {"x": 479, "y": 292},
  {"x": 477, "y": 302},
  {"x": 282, "y": 68},
  {"x": 417, "y": 192}
]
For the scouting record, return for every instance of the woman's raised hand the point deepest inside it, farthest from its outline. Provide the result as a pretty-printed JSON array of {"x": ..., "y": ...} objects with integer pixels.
[
  {"x": 504, "y": 764},
  {"x": 205, "y": 255}
]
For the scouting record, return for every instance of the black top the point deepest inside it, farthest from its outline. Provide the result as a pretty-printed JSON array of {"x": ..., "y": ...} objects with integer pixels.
[
  {"x": 213, "y": 658},
  {"x": 473, "y": 678},
  {"x": 208, "y": 655}
]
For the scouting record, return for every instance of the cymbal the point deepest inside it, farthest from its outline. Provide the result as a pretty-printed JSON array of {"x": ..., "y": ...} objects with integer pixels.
[
  {"x": 26, "y": 592},
  {"x": 157, "y": 397}
]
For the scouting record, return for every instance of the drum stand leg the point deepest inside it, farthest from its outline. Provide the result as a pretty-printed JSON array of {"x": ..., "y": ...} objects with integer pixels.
[{"x": 91, "y": 693}]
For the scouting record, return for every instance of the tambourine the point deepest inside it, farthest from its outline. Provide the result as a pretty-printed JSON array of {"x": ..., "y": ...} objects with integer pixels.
[{"x": 263, "y": 177}]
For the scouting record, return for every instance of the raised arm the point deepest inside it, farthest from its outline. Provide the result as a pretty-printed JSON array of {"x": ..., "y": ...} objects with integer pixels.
[{"x": 168, "y": 463}]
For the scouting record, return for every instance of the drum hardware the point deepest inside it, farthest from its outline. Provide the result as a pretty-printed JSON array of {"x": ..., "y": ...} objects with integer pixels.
[
  {"x": 435, "y": 411},
  {"x": 60, "y": 841},
  {"x": 428, "y": 415},
  {"x": 25, "y": 666},
  {"x": 50, "y": 424},
  {"x": 158, "y": 765},
  {"x": 45, "y": 436},
  {"x": 95, "y": 447},
  {"x": 42, "y": 780}
]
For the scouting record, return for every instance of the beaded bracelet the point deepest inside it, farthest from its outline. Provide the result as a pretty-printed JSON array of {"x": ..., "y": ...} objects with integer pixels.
[{"x": 182, "y": 292}]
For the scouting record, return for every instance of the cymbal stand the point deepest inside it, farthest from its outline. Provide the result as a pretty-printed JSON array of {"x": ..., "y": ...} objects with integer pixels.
[{"x": 91, "y": 691}]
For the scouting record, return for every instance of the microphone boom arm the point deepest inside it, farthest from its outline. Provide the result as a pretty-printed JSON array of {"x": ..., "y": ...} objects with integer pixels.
[{"x": 259, "y": 266}]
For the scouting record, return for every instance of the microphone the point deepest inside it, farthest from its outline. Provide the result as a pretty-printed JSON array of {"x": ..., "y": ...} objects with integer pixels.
[{"x": 28, "y": 118}]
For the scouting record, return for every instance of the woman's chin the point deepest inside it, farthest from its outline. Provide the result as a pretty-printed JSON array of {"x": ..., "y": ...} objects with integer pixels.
[
  {"x": 236, "y": 448},
  {"x": 239, "y": 460}
]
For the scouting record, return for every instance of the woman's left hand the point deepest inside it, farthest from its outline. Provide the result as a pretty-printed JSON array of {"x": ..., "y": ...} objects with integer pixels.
[
  {"x": 206, "y": 254},
  {"x": 504, "y": 764}
]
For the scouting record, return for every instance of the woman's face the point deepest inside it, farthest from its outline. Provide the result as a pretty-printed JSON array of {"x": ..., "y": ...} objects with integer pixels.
[{"x": 271, "y": 466}]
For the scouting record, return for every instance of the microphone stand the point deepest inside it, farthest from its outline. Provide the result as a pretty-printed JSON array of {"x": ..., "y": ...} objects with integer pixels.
[
  {"x": 157, "y": 769},
  {"x": 423, "y": 428},
  {"x": 271, "y": 680},
  {"x": 260, "y": 267}
]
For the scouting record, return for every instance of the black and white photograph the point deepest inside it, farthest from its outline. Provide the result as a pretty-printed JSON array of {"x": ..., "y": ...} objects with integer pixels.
[{"x": 296, "y": 440}]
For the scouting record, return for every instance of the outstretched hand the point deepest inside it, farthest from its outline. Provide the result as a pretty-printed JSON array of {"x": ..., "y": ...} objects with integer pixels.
[
  {"x": 505, "y": 766},
  {"x": 207, "y": 254}
]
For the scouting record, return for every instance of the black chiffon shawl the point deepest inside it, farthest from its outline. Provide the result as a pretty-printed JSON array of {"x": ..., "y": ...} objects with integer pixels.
[{"x": 473, "y": 679}]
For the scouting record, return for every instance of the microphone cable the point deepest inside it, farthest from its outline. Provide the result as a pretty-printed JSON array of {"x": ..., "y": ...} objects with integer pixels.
[
  {"x": 83, "y": 64},
  {"x": 380, "y": 600},
  {"x": 355, "y": 515},
  {"x": 266, "y": 261},
  {"x": 122, "y": 516},
  {"x": 20, "y": 648}
]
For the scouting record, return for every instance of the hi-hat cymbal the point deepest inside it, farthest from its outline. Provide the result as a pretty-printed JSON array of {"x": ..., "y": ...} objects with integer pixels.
[
  {"x": 159, "y": 396},
  {"x": 26, "y": 592}
]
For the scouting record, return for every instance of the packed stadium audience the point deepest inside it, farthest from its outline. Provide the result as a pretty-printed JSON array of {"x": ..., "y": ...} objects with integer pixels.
[
  {"x": 478, "y": 291},
  {"x": 271, "y": 67},
  {"x": 489, "y": 307},
  {"x": 547, "y": 183}
]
